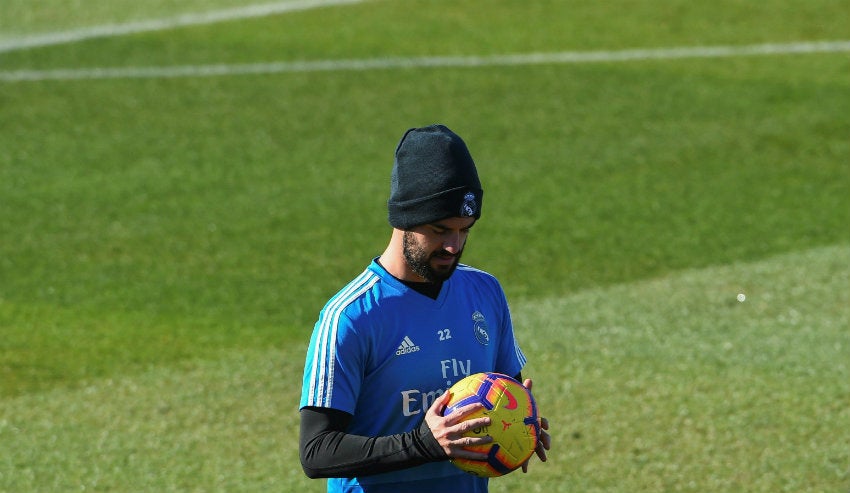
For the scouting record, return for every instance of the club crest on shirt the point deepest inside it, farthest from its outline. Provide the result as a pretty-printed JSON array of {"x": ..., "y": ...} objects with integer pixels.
[{"x": 479, "y": 328}]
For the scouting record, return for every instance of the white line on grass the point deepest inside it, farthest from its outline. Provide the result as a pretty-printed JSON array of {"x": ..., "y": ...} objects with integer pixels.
[
  {"x": 564, "y": 57},
  {"x": 183, "y": 20}
]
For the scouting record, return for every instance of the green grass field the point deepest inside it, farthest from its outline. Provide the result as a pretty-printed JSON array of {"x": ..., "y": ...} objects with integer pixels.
[{"x": 166, "y": 242}]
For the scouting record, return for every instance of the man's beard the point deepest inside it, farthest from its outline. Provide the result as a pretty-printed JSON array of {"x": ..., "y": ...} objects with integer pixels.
[{"x": 420, "y": 261}]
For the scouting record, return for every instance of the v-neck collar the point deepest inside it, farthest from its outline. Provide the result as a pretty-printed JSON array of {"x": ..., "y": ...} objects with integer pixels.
[{"x": 405, "y": 286}]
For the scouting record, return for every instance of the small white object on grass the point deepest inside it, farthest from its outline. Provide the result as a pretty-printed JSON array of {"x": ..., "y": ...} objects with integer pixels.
[{"x": 742, "y": 297}]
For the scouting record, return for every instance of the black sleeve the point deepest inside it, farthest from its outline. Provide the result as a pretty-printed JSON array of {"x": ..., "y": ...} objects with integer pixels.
[{"x": 327, "y": 451}]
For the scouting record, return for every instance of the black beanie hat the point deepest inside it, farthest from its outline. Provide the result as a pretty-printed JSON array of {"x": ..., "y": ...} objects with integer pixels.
[{"x": 433, "y": 178}]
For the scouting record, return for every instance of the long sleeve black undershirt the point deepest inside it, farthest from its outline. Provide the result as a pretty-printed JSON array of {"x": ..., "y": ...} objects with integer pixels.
[{"x": 327, "y": 451}]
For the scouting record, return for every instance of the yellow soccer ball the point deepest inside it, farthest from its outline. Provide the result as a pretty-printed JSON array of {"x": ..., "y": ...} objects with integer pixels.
[{"x": 514, "y": 423}]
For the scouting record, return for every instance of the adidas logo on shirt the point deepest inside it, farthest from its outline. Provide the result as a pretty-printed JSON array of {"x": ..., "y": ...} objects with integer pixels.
[{"x": 406, "y": 347}]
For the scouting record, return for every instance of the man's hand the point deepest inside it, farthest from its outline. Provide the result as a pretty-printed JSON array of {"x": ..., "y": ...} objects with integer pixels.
[
  {"x": 449, "y": 430},
  {"x": 545, "y": 441}
]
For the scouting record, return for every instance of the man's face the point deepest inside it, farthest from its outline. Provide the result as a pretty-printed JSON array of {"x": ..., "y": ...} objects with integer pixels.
[{"x": 433, "y": 250}]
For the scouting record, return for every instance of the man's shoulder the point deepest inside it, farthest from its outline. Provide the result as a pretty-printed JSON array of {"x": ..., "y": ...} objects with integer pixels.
[
  {"x": 355, "y": 289},
  {"x": 474, "y": 274},
  {"x": 363, "y": 292}
]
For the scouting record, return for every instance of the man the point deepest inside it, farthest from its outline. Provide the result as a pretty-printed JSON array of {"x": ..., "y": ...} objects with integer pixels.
[{"x": 387, "y": 346}]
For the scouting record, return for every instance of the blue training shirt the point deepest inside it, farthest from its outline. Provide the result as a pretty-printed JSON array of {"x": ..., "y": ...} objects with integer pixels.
[{"x": 383, "y": 352}]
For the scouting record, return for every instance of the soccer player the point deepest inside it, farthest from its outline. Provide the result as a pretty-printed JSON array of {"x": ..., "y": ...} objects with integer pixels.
[{"x": 388, "y": 345}]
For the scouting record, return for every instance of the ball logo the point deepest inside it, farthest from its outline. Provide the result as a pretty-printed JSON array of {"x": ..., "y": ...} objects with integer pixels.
[{"x": 512, "y": 403}]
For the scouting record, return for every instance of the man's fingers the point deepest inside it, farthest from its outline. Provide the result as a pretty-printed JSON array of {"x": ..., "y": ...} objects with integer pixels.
[
  {"x": 470, "y": 424},
  {"x": 545, "y": 438},
  {"x": 460, "y": 424},
  {"x": 464, "y": 412},
  {"x": 462, "y": 448},
  {"x": 439, "y": 405},
  {"x": 473, "y": 441}
]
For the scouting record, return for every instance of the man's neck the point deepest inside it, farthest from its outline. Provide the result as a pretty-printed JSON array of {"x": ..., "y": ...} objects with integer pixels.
[
  {"x": 426, "y": 288},
  {"x": 393, "y": 260},
  {"x": 429, "y": 289}
]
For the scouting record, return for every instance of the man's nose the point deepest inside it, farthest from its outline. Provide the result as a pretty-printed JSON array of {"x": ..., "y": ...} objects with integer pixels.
[{"x": 452, "y": 243}]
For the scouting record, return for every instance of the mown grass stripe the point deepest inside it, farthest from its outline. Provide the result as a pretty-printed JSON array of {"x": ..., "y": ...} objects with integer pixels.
[
  {"x": 564, "y": 57},
  {"x": 183, "y": 20}
]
